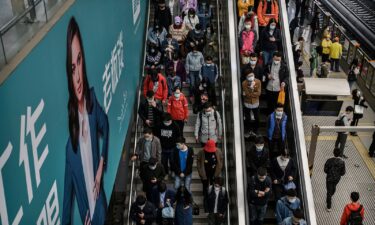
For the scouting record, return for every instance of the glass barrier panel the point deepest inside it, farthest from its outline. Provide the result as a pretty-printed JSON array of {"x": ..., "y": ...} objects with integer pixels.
[
  {"x": 371, "y": 73},
  {"x": 367, "y": 75},
  {"x": 351, "y": 55},
  {"x": 359, "y": 55},
  {"x": 345, "y": 47},
  {"x": 363, "y": 71}
]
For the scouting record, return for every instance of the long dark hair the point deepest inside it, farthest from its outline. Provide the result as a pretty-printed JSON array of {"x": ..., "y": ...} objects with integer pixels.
[{"x": 73, "y": 30}]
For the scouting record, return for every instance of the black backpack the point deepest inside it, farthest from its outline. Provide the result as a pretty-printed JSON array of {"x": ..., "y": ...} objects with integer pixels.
[
  {"x": 340, "y": 122},
  {"x": 355, "y": 217},
  {"x": 200, "y": 117}
]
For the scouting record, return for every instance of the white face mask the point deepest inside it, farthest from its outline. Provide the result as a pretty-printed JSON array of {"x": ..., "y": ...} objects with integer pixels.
[
  {"x": 247, "y": 27},
  {"x": 177, "y": 95},
  {"x": 272, "y": 27},
  {"x": 152, "y": 167},
  {"x": 217, "y": 188},
  {"x": 253, "y": 62},
  {"x": 148, "y": 138},
  {"x": 149, "y": 100},
  {"x": 276, "y": 62},
  {"x": 292, "y": 200},
  {"x": 167, "y": 123},
  {"x": 251, "y": 78},
  {"x": 261, "y": 179},
  {"x": 279, "y": 114},
  {"x": 259, "y": 148},
  {"x": 358, "y": 93},
  {"x": 209, "y": 113},
  {"x": 192, "y": 16}
]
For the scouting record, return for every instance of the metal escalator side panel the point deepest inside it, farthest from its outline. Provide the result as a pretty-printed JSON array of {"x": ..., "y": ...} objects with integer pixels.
[{"x": 306, "y": 188}]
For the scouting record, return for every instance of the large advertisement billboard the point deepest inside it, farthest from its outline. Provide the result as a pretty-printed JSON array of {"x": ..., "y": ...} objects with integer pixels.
[{"x": 65, "y": 111}]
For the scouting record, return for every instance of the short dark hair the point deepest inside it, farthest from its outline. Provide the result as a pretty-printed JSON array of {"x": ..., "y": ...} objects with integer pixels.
[
  {"x": 279, "y": 105},
  {"x": 247, "y": 71},
  {"x": 208, "y": 58},
  {"x": 198, "y": 26},
  {"x": 354, "y": 196},
  {"x": 175, "y": 88},
  {"x": 167, "y": 117},
  {"x": 336, "y": 152},
  {"x": 141, "y": 199},
  {"x": 301, "y": 39},
  {"x": 291, "y": 192},
  {"x": 259, "y": 140},
  {"x": 349, "y": 109},
  {"x": 298, "y": 213},
  {"x": 285, "y": 152},
  {"x": 147, "y": 130},
  {"x": 218, "y": 181},
  {"x": 180, "y": 140},
  {"x": 150, "y": 94},
  {"x": 277, "y": 54},
  {"x": 207, "y": 105},
  {"x": 162, "y": 186},
  {"x": 262, "y": 171},
  {"x": 253, "y": 54}
]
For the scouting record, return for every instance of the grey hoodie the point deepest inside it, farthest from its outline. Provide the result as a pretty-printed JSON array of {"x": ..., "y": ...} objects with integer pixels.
[
  {"x": 194, "y": 61},
  {"x": 210, "y": 128}
]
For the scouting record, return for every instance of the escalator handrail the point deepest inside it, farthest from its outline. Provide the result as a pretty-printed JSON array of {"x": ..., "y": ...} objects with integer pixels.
[
  {"x": 239, "y": 144},
  {"x": 134, "y": 171},
  {"x": 299, "y": 135}
]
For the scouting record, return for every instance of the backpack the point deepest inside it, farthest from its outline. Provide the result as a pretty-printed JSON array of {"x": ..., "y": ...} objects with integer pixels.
[
  {"x": 340, "y": 122},
  {"x": 200, "y": 118},
  {"x": 355, "y": 217}
]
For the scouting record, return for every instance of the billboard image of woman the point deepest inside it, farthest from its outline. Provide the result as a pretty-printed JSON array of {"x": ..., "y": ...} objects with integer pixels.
[{"x": 85, "y": 161}]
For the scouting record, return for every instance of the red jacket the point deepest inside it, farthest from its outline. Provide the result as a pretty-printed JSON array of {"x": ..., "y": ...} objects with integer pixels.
[
  {"x": 263, "y": 17},
  {"x": 348, "y": 209},
  {"x": 162, "y": 92},
  {"x": 178, "y": 108}
]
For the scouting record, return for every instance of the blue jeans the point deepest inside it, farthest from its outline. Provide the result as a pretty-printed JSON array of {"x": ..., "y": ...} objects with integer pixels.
[
  {"x": 194, "y": 81},
  {"x": 166, "y": 156},
  {"x": 267, "y": 57},
  {"x": 257, "y": 213},
  {"x": 186, "y": 180}
]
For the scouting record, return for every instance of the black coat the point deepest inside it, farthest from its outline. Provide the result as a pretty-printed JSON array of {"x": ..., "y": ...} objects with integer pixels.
[
  {"x": 147, "y": 174},
  {"x": 258, "y": 71},
  {"x": 189, "y": 162},
  {"x": 143, "y": 112},
  {"x": 149, "y": 211},
  {"x": 222, "y": 201},
  {"x": 334, "y": 168},
  {"x": 278, "y": 174},
  {"x": 266, "y": 44},
  {"x": 254, "y": 161},
  {"x": 283, "y": 72},
  {"x": 255, "y": 184},
  {"x": 163, "y": 17},
  {"x": 167, "y": 135}
]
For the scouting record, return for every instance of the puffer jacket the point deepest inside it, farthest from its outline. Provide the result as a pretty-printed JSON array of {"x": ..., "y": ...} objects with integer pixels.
[
  {"x": 154, "y": 38},
  {"x": 194, "y": 61},
  {"x": 272, "y": 123},
  {"x": 326, "y": 46},
  {"x": 178, "y": 108},
  {"x": 243, "y": 6},
  {"x": 251, "y": 95},
  {"x": 248, "y": 41},
  {"x": 201, "y": 160},
  {"x": 162, "y": 92},
  {"x": 208, "y": 127},
  {"x": 178, "y": 33},
  {"x": 334, "y": 168},
  {"x": 263, "y": 17},
  {"x": 335, "y": 51}
]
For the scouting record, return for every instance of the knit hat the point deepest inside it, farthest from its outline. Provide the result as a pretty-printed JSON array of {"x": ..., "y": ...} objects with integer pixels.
[
  {"x": 210, "y": 146},
  {"x": 177, "y": 20}
]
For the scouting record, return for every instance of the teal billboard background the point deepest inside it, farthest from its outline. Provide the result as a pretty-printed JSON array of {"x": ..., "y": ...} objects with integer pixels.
[{"x": 34, "y": 115}]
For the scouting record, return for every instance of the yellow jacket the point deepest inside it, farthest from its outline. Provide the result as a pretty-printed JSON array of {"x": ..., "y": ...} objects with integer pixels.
[
  {"x": 326, "y": 46},
  {"x": 242, "y": 6},
  {"x": 335, "y": 51}
]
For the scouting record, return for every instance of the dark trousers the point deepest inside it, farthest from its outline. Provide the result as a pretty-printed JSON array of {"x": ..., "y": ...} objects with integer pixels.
[
  {"x": 251, "y": 125},
  {"x": 215, "y": 219},
  {"x": 276, "y": 145},
  {"x": 180, "y": 124},
  {"x": 278, "y": 190},
  {"x": 335, "y": 65},
  {"x": 340, "y": 142},
  {"x": 371, "y": 150},
  {"x": 325, "y": 57},
  {"x": 331, "y": 189},
  {"x": 272, "y": 97},
  {"x": 166, "y": 156}
]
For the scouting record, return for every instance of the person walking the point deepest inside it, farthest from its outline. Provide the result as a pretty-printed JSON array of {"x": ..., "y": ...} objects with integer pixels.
[
  {"x": 359, "y": 106},
  {"x": 178, "y": 108},
  {"x": 162, "y": 197},
  {"x": 335, "y": 169},
  {"x": 287, "y": 205},
  {"x": 326, "y": 45},
  {"x": 217, "y": 202},
  {"x": 151, "y": 174},
  {"x": 208, "y": 125},
  {"x": 353, "y": 212},
  {"x": 257, "y": 157},
  {"x": 184, "y": 207},
  {"x": 335, "y": 54},
  {"x": 276, "y": 131},
  {"x": 148, "y": 147},
  {"x": 342, "y": 136},
  {"x": 183, "y": 164},
  {"x": 142, "y": 212},
  {"x": 371, "y": 151}
]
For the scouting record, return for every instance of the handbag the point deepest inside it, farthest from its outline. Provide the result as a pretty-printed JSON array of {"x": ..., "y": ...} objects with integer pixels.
[
  {"x": 358, "y": 109},
  {"x": 290, "y": 185},
  {"x": 195, "y": 209},
  {"x": 281, "y": 98},
  {"x": 167, "y": 212}
]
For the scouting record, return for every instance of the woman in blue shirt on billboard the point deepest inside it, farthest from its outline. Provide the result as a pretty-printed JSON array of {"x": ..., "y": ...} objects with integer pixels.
[{"x": 87, "y": 122}]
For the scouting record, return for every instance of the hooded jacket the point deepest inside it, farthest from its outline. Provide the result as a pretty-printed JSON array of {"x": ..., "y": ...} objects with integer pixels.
[
  {"x": 209, "y": 127},
  {"x": 243, "y": 6},
  {"x": 201, "y": 160},
  {"x": 162, "y": 92},
  {"x": 263, "y": 15},
  {"x": 194, "y": 61},
  {"x": 178, "y": 108},
  {"x": 354, "y": 206},
  {"x": 334, "y": 168}
]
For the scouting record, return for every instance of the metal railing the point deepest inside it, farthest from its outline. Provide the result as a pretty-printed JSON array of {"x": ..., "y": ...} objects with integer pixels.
[
  {"x": 134, "y": 171},
  {"x": 9, "y": 25}
]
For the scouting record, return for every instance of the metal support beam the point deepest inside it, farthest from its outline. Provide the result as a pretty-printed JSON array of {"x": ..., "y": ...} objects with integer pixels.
[{"x": 316, "y": 130}]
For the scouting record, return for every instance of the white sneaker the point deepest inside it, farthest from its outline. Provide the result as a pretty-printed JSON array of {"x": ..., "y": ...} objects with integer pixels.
[{"x": 328, "y": 210}]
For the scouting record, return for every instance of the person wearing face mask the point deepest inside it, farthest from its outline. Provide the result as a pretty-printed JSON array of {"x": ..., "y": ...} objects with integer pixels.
[
  {"x": 354, "y": 70},
  {"x": 326, "y": 47},
  {"x": 210, "y": 71},
  {"x": 270, "y": 41},
  {"x": 198, "y": 104},
  {"x": 156, "y": 35},
  {"x": 142, "y": 212},
  {"x": 258, "y": 193},
  {"x": 286, "y": 205},
  {"x": 173, "y": 80},
  {"x": 267, "y": 10},
  {"x": 335, "y": 54},
  {"x": 191, "y": 19},
  {"x": 193, "y": 65},
  {"x": 283, "y": 171},
  {"x": 205, "y": 87},
  {"x": 184, "y": 207},
  {"x": 208, "y": 125},
  {"x": 163, "y": 15},
  {"x": 298, "y": 50},
  {"x": 276, "y": 76},
  {"x": 209, "y": 165},
  {"x": 342, "y": 136},
  {"x": 178, "y": 108},
  {"x": 251, "y": 90},
  {"x": 249, "y": 14},
  {"x": 187, "y": 5},
  {"x": 153, "y": 58},
  {"x": 195, "y": 38},
  {"x": 257, "y": 156},
  {"x": 217, "y": 202},
  {"x": 183, "y": 156},
  {"x": 178, "y": 69},
  {"x": 252, "y": 67},
  {"x": 299, "y": 71},
  {"x": 150, "y": 174},
  {"x": 359, "y": 106},
  {"x": 148, "y": 147},
  {"x": 244, "y": 6},
  {"x": 157, "y": 83},
  {"x": 248, "y": 39},
  {"x": 296, "y": 219},
  {"x": 162, "y": 196},
  {"x": 169, "y": 48},
  {"x": 168, "y": 132},
  {"x": 204, "y": 13},
  {"x": 211, "y": 46},
  {"x": 150, "y": 111},
  {"x": 276, "y": 131},
  {"x": 179, "y": 32}
]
